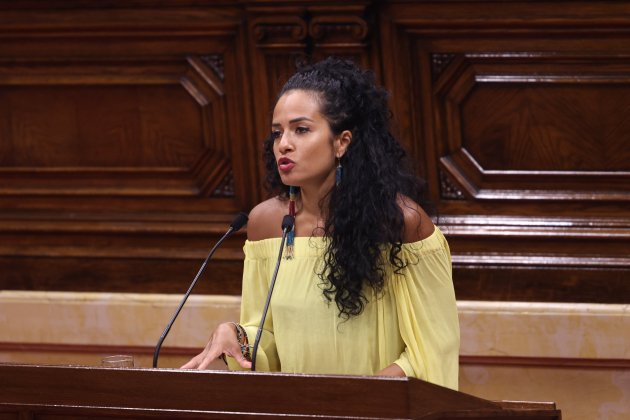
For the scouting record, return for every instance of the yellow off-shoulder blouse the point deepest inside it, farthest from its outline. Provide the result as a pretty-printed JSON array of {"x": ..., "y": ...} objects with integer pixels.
[{"x": 412, "y": 323}]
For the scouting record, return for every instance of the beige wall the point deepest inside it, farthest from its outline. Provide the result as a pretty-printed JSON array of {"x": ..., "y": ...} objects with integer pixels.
[
  {"x": 577, "y": 355},
  {"x": 81, "y": 328}
]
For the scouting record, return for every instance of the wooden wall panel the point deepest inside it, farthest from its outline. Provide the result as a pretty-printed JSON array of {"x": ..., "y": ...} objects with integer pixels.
[
  {"x": 519, "y": 119},
  {"x": 152, "y": 125},
  {"x": 131, "y": 132},
  {"x": 125, "y": 131},
  {"x": 536, "y": 130}
]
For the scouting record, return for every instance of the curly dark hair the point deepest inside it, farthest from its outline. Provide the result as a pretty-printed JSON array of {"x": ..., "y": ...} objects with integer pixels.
[{"x": 363, "y": 212}]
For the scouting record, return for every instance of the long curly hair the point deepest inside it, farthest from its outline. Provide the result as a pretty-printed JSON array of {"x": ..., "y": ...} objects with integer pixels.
[{"x": 363, "y": 215}]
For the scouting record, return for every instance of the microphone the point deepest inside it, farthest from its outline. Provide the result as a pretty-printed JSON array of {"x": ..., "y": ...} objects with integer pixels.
[
  {"x": 287, "y": 226},
  {"x": 239, "y": 221}
]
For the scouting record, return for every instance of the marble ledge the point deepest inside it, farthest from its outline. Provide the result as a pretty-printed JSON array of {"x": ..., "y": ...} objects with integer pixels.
[{"x": 512, "y": 329}]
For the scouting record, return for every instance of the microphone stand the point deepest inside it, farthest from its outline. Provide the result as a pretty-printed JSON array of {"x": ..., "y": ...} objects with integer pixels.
[
  {"x": 287, "y": 226},
  {"x": 238, "y": 222}
]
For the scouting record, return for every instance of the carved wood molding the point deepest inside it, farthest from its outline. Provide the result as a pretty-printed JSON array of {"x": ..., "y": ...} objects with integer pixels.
[
  {"x": 339, "y": 29},
  {"x": 524, "y": 261},
  {"x": 288, "y": 28},
  {"x": 279, "y": 30},
  {"x": 22, "y": 176},
  {"x": 516, "y": 114},
  {"x": 92, "y": 23},
  {"x": 439, "y": 62},
  {"x": 448, "y": 189},
  {"x": 512, "y": 149},
  {"x": 509, "y": 18},
  {"x": 215, "y": 62},
  {"x": 225, "y": 188}
]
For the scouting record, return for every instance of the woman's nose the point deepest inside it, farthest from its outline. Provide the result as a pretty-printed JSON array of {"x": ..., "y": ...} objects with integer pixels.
[{"x": 285, "y": 144}]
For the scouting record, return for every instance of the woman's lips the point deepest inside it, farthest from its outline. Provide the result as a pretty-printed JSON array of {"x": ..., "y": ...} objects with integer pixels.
[{"x": 285, "y": 164}]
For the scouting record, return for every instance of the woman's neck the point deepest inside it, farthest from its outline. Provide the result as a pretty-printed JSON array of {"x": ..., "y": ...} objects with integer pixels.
[
  {"x": 311, "y": 208},
  {"x": 309, "y": 203}
]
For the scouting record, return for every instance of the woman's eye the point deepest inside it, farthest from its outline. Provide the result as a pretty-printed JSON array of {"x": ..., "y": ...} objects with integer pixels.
[
  {"x": 275, "y": 135},
  {"x": 301, "y": 130}
]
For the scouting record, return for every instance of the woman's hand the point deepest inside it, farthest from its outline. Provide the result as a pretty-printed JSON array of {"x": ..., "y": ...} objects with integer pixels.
[
  {"x": 222, "y": 341},
  {"x": 391, "y": 370}
]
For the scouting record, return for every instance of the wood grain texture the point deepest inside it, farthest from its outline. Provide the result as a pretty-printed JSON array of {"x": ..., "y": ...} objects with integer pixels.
[
  {"x": 86, "y": 392},
  {"x": 519, "y": 117},
  {"x": 131, "y": 132}
]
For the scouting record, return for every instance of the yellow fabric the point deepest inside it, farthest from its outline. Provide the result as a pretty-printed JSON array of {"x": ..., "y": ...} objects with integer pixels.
[{"x": 413, "y": 323}]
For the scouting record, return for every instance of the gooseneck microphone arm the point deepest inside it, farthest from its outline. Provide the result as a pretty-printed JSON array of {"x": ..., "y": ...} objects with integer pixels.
[
  {"x": 287, "y": 226},
  {"x": 239, "y": 221}
]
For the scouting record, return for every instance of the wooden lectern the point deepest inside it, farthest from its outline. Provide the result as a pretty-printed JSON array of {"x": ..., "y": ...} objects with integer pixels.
[{"x": 80, "y": 392}]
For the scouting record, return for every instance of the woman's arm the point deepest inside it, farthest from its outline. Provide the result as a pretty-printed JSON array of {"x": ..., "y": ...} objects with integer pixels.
[
  {"x": 427, "y": 314},
  {"x": 425, "y": 302}
]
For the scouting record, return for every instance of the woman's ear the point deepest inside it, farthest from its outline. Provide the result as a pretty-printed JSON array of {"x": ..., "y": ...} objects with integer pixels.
[{"x": 342, "y": 142}]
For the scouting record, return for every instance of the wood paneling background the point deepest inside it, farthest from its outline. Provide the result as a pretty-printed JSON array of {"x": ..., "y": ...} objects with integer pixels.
[{"x": 131, "y": 132}]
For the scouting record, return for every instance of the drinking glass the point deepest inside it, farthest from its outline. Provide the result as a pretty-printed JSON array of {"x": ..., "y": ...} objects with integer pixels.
[{"x": 117, "y": 361}]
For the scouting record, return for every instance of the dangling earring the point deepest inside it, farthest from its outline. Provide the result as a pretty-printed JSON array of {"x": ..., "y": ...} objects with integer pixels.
[{"x": 338, "y": 172}]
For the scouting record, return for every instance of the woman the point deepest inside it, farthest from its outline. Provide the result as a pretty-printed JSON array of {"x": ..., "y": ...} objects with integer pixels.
[{"x": 365, "y": 287}]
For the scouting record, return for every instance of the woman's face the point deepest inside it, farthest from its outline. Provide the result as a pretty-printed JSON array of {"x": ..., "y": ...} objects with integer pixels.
[{"x": 304, "y": 145}]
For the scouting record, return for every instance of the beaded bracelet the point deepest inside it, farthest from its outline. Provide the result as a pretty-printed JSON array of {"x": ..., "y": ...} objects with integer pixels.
[{"x": 241, "y": 337}]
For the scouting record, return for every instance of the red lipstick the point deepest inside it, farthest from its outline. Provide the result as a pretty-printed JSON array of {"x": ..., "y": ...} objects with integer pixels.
[{"x": 285, "y": 164}]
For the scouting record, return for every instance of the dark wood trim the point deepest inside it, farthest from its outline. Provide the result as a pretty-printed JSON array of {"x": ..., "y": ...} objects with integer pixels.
[{"x": 545, "y": 362}]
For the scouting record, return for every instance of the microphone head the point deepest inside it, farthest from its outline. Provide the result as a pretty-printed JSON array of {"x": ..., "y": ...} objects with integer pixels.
[
  {"x": 239, "y": 221},
  {"x": 287, "y": 223}
]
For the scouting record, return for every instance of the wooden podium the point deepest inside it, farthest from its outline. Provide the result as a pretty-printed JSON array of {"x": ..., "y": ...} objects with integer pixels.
[{"x": 80, "y": 392}]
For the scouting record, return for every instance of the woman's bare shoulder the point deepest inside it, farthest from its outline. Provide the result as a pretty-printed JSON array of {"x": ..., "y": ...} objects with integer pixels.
[
  {"x": 418, "y": 224},
  {"x": 265, "y": 220}
]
